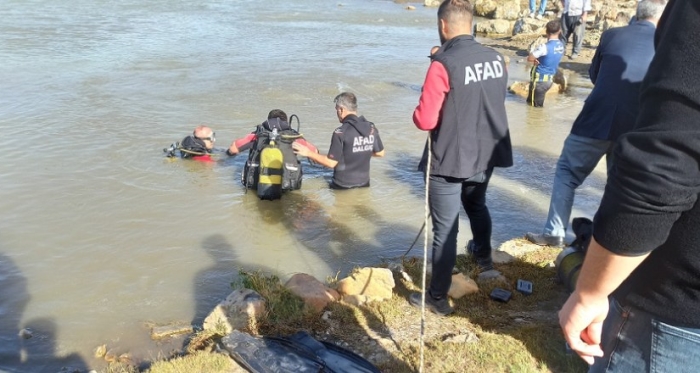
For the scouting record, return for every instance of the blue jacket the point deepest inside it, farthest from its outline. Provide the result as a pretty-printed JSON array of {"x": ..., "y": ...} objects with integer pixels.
[
  {"x": 549, "y": 61},
  {"x": 620, "y": 63}
]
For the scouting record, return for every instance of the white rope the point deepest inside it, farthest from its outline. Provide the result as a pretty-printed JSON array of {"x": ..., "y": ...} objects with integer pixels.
[{"x": 425, "y": 258}]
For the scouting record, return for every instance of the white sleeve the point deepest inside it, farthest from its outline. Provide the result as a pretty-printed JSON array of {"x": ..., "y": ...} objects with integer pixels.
[{"x": 540, "y": 51}]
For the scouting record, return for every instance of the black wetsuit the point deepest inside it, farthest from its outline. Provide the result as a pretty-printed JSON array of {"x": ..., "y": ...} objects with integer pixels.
[{"x": 352, "y": 145}]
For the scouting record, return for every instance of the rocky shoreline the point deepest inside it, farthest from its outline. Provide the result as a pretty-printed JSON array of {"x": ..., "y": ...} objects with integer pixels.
[
  {"x": 367, "y": 312},
  {"x": 513, "y": 32}
]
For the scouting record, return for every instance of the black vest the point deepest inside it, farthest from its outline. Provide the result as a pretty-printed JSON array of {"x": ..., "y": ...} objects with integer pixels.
[{"x": 472, "y": 135}]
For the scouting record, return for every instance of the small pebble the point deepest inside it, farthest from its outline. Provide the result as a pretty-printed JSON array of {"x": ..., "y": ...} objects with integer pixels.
[{"x": 25, "y": 333}]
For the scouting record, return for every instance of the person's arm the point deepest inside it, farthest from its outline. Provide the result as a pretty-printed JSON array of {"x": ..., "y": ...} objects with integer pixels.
[
  {"x": 581, "y": 318},
  {"x": 242, "y": 144},
  {"x": 594, "y": 68},
  {"x": 313, "y": 154},
  {"x": 538, "y": 52},
  {"x": 307, "y": 144},
  {"x": 427, "y": 114},
  {"x": 322, "y": 159},
  {"x": 378, "y": 146}
]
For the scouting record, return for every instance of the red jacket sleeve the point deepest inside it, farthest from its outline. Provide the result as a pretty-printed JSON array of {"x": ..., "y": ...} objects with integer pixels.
[
  {"x": 427, "y": 114},
  {"x": 307, "y": 144},
  {"x": 243, "y": 141}
]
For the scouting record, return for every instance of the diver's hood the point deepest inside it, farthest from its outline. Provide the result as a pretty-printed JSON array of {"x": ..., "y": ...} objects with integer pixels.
[{"x": 190, "y": 146}]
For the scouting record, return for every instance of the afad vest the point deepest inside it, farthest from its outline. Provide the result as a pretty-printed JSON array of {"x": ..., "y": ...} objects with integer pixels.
[{"x": 472, "y": 135}]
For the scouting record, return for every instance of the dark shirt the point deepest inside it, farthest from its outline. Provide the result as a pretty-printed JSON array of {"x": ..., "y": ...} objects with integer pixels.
[
  {"x": 619, "y": 65},
  {"x": 650, "y": 203},
  {"x": 352, "y": 145}
]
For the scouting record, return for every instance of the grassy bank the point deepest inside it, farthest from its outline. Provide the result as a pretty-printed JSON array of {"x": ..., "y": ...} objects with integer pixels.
[{"x": 481, "y": 336}]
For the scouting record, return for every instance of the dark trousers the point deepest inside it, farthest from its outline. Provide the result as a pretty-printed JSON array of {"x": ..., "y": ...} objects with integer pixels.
[
  {"x": 572, "y": 25},
  {"x": 536, "y": 92},
  {"x": 444, "y": 197}
]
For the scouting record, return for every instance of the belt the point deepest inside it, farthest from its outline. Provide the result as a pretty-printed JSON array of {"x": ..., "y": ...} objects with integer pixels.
[{"x": 542, "y": 77}]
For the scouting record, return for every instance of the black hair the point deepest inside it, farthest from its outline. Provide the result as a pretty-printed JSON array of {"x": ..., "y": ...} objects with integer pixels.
[
  {"x": 553, "y": 27},
  {"x": 277, "y": 113},
  {"x": 456, "y": 10}
]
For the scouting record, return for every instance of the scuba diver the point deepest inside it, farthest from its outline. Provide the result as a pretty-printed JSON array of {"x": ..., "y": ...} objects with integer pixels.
[
  {"x": 197, "y": 146},
  {"x": 272, "y": 166}
]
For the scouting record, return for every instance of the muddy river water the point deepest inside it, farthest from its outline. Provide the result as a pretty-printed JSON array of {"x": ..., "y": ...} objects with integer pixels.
[{"x": 101, "y": 234}]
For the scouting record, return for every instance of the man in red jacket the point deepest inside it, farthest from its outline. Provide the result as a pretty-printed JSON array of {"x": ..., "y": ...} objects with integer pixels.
[{"x": 463, "y": 107}]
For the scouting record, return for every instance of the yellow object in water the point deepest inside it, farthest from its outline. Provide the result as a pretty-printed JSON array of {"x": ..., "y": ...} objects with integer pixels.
[{"x": 271, "y": 171}]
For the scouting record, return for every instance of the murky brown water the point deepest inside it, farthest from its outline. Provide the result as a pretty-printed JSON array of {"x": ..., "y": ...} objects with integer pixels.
[{"x": 100, "y": 233}]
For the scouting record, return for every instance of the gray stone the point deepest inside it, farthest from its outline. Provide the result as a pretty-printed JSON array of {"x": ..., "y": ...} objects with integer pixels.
[
  {"x": 25, "y": 333},
  {"x": 491, "y": 275},
  {"x": 507, "y": 9},
  {"x": 468, "y": 337},
  {"x": 237, "y": 311},
  {"x": 164, "y": 331},
  {"x": 495, "y": 27}
]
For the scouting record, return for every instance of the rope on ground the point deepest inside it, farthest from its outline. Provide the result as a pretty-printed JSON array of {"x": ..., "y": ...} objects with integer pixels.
[{"x": 425, "y": 259}]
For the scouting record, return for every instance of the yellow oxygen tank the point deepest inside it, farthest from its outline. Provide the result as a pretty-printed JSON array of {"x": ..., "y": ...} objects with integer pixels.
[{"x": 271, "y": 172}]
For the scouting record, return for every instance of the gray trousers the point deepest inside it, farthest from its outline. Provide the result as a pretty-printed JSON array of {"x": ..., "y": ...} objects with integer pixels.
[{"x": 572, "y": 25}]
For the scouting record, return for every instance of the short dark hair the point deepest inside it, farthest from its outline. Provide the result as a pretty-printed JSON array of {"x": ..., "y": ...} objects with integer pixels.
[
  {"x": 456, "y": 11},
  {"x": 277, "y": 113},
  {"x": 553, "y": 27},
  {"x": 346, "y": 100}
]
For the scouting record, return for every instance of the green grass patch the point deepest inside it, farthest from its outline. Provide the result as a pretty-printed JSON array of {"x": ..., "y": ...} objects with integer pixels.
[{"x": 199, "y": 362}]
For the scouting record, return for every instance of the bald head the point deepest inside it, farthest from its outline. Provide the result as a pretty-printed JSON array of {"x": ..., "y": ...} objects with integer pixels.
[
  {"x": 455, "y": 18},
  {"x": 205, "y": 133}
]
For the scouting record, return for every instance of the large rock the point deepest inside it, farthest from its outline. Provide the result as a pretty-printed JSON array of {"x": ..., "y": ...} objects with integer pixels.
[
  {"x": 314, "y": 293},
  {"x": 521, "y": 89},
  {"x": 613, "y": 14},
  {"x": 485, "y": 8},
  {"x": 432, "y": 3},
  {"x": 495, "y": 27},
  {"x": 236, "y": 312},
  {"x": 461, "y": 286},
  {"x": 508, "y": 9},
  {"x": 372, "y": 284},
  {"x": 497, "y": 9},
  {"x": 526, "y": 25}
]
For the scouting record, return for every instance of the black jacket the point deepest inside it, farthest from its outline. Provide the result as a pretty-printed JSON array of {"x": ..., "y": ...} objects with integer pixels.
[{"x": 650, "y": 203}]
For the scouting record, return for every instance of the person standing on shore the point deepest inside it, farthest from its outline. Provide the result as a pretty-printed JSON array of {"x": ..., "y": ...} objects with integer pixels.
[
  {"x": 546, "y": 58},
  {"x": 619, "y": 65},
  {"x": 635, "y": 307},
  {"x": 463, "y": 106},
  {"x": 573, "y": 22},
  {"x": 534, "y": 13}
]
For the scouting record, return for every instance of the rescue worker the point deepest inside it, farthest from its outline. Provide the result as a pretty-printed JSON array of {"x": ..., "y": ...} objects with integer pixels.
[
  {"x": 353, "y": 144},
  {"x": 546, "y": 58}
]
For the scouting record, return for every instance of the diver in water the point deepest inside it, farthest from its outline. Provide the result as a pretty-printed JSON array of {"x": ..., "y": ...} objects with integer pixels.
[{"x": 197, "y": 146}]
